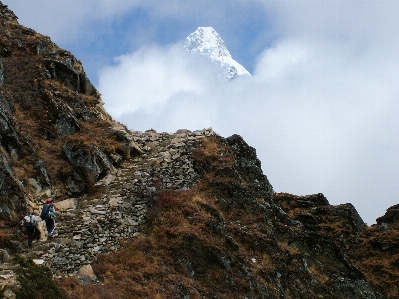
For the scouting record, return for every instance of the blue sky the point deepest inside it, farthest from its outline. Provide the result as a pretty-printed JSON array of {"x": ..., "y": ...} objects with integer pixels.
[
  {"x": 321, "y": 107},
  {"x": 96, "y": 40}
]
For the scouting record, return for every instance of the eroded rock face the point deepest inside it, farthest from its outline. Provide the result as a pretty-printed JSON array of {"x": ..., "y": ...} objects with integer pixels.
[
  {"x": 62, "y": 66},
  {"x": 89, "y": 163}
]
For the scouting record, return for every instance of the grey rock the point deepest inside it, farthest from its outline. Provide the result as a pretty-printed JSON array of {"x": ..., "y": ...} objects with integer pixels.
[
  {"x": 1, "y": 73},
  {"x": 66, "y": 124},
  {"x": 64, "y": 71},
  {"x": 8, "y": 294},
  {"x": 88, "y": 163},
  {"x": 354, "y": 289},
  {"x": 391, "y": 216},
  {"x": 43, "y": 177},
  {"x": 60, "y": 261},
  {"x": 4, "y": 256}
]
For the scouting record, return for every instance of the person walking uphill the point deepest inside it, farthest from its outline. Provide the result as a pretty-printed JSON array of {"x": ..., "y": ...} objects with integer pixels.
[
  {"x": 30, "y": 222},
  {"x": 48, "y": 215}
]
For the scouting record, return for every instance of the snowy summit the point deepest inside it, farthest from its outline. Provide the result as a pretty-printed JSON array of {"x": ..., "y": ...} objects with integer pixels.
[{"x": 205, "y": 41}]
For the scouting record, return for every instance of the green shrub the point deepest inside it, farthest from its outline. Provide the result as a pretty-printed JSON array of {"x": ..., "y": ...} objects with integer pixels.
[{"x": 36, "y": 281}]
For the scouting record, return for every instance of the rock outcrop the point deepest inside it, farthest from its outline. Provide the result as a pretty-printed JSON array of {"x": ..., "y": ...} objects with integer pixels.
[{"x": 391, "y": 216}]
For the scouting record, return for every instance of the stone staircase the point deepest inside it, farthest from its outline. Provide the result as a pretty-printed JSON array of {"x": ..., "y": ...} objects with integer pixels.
[{"x": 88, "y": 226}]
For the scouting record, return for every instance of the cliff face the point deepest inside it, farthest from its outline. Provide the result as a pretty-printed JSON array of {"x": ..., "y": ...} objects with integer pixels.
[{"x": 158, "y": 215}]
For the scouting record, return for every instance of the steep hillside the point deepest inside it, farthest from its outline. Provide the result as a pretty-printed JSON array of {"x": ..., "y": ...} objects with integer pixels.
[
  {"x": 55, "y": 137},
  {"x": 159, "y": 215}
]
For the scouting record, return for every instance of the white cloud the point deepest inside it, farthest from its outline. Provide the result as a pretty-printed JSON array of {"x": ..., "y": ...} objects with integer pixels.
[
  {"x": 151, "y": 78},
  {"x": 319, "y": 116}
]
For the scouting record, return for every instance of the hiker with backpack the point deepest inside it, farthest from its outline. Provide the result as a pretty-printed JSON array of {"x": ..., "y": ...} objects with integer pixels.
[
  {"x": 30, "y": 222},
  {"x": 48, "y": 215}
]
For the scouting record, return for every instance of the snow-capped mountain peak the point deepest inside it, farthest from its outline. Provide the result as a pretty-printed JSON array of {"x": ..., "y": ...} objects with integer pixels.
[{"x": 205, "y": 41}]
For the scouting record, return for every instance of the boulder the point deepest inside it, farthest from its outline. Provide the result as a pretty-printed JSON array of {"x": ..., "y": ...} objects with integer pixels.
[
  {"x": 75, "y": 183},
  {"x": 5, "y": 213},
  {"x": 115, "y": 201},
  {"x": 86, "y": 86},
  {"x": 130, "y": 147},
  {"x": 249, "y": 165},
  {"x": 8, "y": 181},
  {"x": 8, "y": 136},
  {"x": 86, "y": 274},
  {"x": 39, "y": 262},
  {"x": 307, "y": 219},
  {"x": 41, "y": 227},
  {"x": 313, "y": 200},
  {"x": 4, "y": 256},
  {"x": 89, "y": 164},
  {"x": 354, "y": 289},
  {"x": 63, "y": 71},
  {"x": 38, "y": 190},
  {"x": 102, "y": 160},
  {"x": 66, "y": 204}
]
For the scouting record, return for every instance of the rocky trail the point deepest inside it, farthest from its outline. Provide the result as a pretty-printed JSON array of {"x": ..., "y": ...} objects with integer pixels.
[{"x": 87, "y": 226}]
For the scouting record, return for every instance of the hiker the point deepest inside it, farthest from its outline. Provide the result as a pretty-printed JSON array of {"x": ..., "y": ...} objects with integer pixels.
[
  {"x": 48, "y": 215},
  {"x": 30, "y": 222}
]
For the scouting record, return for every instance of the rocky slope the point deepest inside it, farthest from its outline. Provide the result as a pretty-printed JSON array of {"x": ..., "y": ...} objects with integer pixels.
[
  {"x": 160, "y": 215},
  {"x": 56, "y": 138}
]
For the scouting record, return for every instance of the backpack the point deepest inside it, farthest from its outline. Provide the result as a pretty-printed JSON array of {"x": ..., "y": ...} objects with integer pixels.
[
  {"x": 51, "y": 211},
  {"x": 45, "y": 212},
  {"x": 28, "y": 221}
]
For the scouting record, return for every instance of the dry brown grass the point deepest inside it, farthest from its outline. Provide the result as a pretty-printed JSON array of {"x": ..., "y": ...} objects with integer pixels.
[
  {"x": 213, "y": 156},
  {"x": 151, "y": 266},
  {"x": 285, "y": 247},
  {"x": 319, "y": 275},
  {"x": 381, "y": 267}
]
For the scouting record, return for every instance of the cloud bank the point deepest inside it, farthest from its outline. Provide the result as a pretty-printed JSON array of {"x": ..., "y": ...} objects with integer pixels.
[{"x": 320, "y": 110}]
